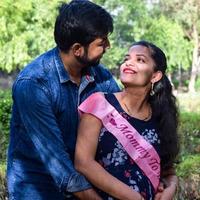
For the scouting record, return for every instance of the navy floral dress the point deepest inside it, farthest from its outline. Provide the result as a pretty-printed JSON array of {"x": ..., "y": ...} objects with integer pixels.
[{"x": 112, "y": 156}]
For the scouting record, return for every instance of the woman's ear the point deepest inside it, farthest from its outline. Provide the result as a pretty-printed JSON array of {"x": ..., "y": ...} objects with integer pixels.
[
  {"x": 77, "y": 49},
  {"x": 156, "y": 76}
]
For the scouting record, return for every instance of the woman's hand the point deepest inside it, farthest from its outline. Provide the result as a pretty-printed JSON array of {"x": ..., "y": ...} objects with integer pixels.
[{"x": 166, "y": 193}]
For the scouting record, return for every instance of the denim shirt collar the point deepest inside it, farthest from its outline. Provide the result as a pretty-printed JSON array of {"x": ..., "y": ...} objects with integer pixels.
[{"x": 63, "y": 74}]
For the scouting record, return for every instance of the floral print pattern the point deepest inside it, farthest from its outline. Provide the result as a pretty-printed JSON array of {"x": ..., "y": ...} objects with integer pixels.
[
  {"x": 150, "y": 136},
  {"x": 113, "y": 157}
]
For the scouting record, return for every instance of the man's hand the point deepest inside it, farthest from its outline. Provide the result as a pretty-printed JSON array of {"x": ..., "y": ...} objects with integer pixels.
[{"x": 89, "y": 194}]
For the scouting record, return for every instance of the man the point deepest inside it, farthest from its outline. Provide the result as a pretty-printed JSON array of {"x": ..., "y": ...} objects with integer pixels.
[{"x": 45, "y": 98}]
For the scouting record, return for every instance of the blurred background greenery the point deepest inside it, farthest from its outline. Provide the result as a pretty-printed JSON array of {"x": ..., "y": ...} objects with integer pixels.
[{"x": 174, "y": 25}]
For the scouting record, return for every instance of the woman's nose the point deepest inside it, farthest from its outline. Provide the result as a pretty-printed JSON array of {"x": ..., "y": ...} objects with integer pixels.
[{"x": 129, "y": 63}]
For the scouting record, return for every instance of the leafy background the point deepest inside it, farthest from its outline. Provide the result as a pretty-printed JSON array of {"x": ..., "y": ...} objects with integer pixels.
[{"x": 174, "y": 25}]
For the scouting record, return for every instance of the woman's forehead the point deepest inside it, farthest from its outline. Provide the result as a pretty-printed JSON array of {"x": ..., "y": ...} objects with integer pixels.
[{"x": 139, "y": 49}]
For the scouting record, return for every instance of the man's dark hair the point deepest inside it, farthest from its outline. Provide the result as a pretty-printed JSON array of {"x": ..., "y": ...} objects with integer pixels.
[{"x": 81, "y": 21}]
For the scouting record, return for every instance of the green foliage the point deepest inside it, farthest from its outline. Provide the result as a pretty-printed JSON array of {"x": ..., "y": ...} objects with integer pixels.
[
  {"x": 2, "y": 168},
  {"x": 26, "y": 31},
  {"x": 189, "y": 178},
  {"x": 3, "y": 190},
  {"x": 129, "y": 22},
  {"x": 184, "y": 11},
  {"x": 3, "y": 144},
  {"x": 189, "y": 130},
  {"x": 190, "y": 120},
  {"x": 189, "y": 102},
  {"x": 189, "y": 165},
  {"x": 5, "y": 108},
  {"x": 138, "y": 21},
  {"x": 5, "y": 114},
  {"x": 169, "y": 36}
]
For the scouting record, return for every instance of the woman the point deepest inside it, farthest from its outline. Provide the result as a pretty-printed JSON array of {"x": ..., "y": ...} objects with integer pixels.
[{"x": 128, "y": 140}]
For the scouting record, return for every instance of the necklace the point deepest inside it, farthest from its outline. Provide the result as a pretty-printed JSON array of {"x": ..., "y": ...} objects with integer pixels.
[{"x": 131, "y": 114}]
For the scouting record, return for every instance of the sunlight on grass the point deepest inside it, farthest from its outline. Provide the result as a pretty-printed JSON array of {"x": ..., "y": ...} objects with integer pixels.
[
  {"x": 2, "y": 169},
  {"x": 190, "y": 165},
  {"x": 189, "y": 102}
]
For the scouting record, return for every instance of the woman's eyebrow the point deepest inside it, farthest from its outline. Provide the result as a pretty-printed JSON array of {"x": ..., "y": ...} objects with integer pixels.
[{"x": 141, "y": 55}]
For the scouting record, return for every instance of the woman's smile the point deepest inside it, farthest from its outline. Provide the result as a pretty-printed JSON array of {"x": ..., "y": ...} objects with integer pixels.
[{"x": 128, "y": 70}]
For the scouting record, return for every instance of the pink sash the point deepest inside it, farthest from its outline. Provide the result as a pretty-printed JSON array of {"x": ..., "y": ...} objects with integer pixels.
[{"x": 142, "y": 152}]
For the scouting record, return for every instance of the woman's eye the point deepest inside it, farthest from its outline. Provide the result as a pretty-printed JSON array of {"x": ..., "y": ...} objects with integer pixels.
[{"x": 141, "y": 60}]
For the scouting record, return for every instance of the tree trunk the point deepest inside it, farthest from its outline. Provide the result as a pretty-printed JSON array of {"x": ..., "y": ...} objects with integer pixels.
[
  {"x": 194, "y": 70},
  {"x": 179, "y": 87}
]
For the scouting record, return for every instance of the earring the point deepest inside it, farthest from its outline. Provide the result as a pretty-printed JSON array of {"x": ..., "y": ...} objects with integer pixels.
[{"x": 152, "y": 92}]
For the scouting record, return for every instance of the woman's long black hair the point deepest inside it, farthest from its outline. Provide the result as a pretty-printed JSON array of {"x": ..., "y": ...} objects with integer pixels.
[{"x": 164, "y": 108}]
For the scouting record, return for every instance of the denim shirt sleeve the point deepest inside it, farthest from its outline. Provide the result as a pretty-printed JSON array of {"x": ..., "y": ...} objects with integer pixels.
[
  {"x": 35, "y": 110},
  {"x": 113, "y": 86},
  {"x": 110, "y": 85}
]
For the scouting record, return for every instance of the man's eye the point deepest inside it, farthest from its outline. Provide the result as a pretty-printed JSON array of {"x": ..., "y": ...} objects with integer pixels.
[{"x": 125, "y": 59}]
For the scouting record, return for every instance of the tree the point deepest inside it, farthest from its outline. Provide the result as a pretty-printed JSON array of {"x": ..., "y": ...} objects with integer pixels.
[
  {"x": 26, "y": 31},
  {"x": 139, "y": 20},
  {"x": 187, "y": 12},
  {"x": 129, "y": 23},
  {"x": 169, "y": 36}
]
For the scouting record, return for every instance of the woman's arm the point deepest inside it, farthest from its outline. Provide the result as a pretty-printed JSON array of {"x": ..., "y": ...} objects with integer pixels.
[{"x": 85, "y": 163}]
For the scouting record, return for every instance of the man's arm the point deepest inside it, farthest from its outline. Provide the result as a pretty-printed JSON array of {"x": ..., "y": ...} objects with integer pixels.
[
  {"x": 113, "y": 86},
  {"x": 35, "y": 110}
]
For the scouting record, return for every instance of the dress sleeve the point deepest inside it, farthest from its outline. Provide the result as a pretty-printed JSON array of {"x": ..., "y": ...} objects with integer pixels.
[{"x": 92, "y": 104}]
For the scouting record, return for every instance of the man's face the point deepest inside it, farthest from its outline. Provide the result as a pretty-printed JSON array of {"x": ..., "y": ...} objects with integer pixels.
[{"x": 94, "y": 52}]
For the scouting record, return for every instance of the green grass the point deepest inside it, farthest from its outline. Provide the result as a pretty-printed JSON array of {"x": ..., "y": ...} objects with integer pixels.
[
  {"x": 190, "y": 165},
  {"x": 3, "y": 191},
  {"x": 2, "y": 169},
  {"x": 189, "y": 102}
]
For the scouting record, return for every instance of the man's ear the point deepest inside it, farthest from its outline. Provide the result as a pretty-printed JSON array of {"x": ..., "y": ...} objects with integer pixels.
[
  {"x": 156, "y": 76},
  {"x": 77, "y": 49}
]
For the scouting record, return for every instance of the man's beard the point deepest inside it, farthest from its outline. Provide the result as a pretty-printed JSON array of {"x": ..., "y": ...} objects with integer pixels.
[{"x": 84, "y": 60}]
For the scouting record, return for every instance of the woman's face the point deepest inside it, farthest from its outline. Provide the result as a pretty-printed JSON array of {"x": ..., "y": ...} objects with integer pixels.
[{"x": 138, "y": 67}]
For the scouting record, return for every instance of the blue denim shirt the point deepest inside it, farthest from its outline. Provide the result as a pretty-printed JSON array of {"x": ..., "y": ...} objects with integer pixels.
[{"x": 44, "y": 128}]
